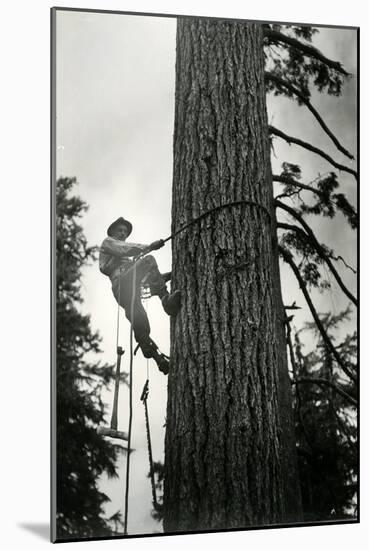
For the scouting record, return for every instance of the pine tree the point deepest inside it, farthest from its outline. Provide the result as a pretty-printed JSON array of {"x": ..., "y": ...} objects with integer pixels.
[
  {"x": 230, "y": 443},
  {"x": 82, "y": 455},
  {"x": 325, "y": 419}
]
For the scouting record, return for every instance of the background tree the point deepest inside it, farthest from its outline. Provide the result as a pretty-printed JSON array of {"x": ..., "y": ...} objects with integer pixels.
[
  {"x": 158, "y": 470},
  {"x": 230, "y": 444},
  {"x": 325, "y": 417},
  {"x": 82, "y": 455}
]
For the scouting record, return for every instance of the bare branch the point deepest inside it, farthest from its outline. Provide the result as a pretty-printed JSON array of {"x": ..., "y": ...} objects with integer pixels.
[
  {"x": 291, "y": 227},
  {"x": 337, "y": 258},
  {"x": 287, "y": 256},
  {"x": 324, "y": 382},
  {"x": 289, "y": 194},
  {"x": 306, "y": 49},
  {"x": 316, "y": 245},
  {"x": 312, "y": 148},
  {"x": 300, "y": 95}
]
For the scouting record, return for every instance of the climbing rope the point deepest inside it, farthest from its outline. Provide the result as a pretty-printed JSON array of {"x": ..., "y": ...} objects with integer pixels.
[
  {"x": 114, "y": 416},
  {"x": 147, "y": 313},
  {"x": 216, "y": 209},
  {"x": 118, "y": 311},
  {"x": 130, "y": 400},
  {"x": 201, "y": 217}
]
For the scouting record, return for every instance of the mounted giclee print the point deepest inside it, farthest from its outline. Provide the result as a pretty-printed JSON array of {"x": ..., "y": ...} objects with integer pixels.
[{"x": 204, "y": 217}]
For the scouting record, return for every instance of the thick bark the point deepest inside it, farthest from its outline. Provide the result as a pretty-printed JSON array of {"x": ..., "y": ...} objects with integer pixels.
[{"x": 225, "y": 453}]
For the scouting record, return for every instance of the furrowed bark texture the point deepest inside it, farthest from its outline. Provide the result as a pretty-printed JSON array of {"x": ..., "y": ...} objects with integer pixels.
[{"x": 224, "y": 463}]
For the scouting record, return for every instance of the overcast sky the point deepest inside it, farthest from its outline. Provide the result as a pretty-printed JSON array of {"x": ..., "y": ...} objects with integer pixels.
[{"x": 115, "y": 117}]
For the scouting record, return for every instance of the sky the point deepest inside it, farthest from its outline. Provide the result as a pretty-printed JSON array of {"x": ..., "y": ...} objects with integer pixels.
[{"x": 115, "y": 120}]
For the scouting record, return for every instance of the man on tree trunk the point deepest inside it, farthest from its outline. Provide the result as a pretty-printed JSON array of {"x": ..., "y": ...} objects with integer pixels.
[
  {"x": 230, "y": 448},
  {"x": 116, "y": 261}
]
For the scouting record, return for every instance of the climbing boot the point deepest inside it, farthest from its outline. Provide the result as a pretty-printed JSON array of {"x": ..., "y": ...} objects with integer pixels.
[
  {"x": 172, "y": 302},
  {"x": 157, "y": 286},
  {"x": 167, "y": 276},
  {"x": 150, "y": 351},
  {"x": 148, "y": 348},
  {"x": 162, "y": 362}
]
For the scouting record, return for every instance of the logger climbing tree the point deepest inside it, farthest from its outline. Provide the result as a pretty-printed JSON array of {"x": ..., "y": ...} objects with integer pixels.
[{"x": 230, "y": 457}]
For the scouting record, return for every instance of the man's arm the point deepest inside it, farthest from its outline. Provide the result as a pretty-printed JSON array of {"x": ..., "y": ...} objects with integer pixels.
[{"x": 121, "y": 249}]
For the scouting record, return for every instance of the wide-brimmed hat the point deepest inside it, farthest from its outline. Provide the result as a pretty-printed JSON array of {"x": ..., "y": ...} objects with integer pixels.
[{"x": 117, "y": 222}]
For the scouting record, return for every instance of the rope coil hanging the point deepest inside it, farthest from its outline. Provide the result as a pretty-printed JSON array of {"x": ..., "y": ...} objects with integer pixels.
[{"x": 144, "y": 396}]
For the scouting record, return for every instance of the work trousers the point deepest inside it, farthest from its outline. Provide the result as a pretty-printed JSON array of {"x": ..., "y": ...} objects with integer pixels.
[{"x": 122, "y": 288}]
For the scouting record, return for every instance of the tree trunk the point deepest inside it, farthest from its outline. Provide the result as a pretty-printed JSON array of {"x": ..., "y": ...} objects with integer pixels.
[{"x": 225, "y": 460}]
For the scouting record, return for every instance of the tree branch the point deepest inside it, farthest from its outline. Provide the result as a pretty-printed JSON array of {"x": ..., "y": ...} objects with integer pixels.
[
  {"x": 287, "y": 256},
  {"x": 288, "y": 180},
  {"x": 305, "y": 100},
  {"x": 316, "y": 245},
  {"x": 296, "y": 229},
  {"x": 324, "y": 382},
  {"x": 306, "y": 49},
  {"x": 338, "y": 258},
  {"x": 312, "y": 148}
]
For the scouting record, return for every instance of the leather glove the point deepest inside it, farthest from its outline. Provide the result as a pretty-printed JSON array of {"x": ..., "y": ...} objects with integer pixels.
[{"x": 156, "y": 244}]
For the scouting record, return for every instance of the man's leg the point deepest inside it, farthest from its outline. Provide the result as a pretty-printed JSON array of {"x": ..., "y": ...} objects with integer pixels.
[
  {"x": 148, "y": 272},
  {"x": 122, "y": 291},
  {"x": 141, "y": 328},
  {"x": 140, "y": 323}
]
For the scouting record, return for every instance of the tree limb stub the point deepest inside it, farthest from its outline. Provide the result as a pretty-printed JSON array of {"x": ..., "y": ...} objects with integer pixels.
[
  {"x": 312, "y": 148},
  {"x": 310, "y": 235},
  {"x": 310, "y": 51},
  {"x": 287, "y": 256},
  {"x": 305, "y": 100}
]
